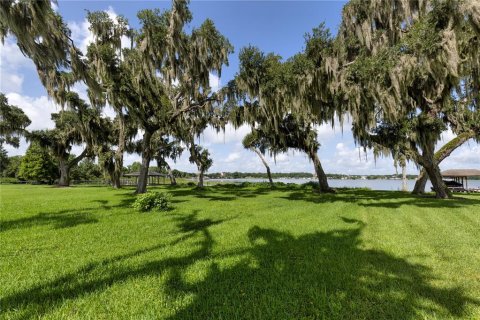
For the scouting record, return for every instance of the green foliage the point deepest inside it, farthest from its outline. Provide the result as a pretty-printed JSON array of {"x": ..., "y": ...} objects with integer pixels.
[
  {"x": 13, "y": 165},
  {"x": 4, "y": 161},
  {"x": 13, "y": 122},
  {"x": 37, "y": 165},
  {"x": 152, "y": 201},
  {"x": 86, "y": 170},
  {"x": 7, "y": 180}
]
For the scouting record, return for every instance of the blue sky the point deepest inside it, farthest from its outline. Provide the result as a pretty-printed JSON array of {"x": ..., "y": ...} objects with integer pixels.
[{"x": 276, "y": 26}]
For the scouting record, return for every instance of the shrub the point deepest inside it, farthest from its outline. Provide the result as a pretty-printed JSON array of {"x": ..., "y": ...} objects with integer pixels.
[
  {"x": 191, "y": 184},
  {"x": 8, "y": 180},
  {"x": 152, "y": 201}
]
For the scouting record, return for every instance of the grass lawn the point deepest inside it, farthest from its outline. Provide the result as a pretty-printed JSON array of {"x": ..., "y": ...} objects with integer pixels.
[{"x": 237, "y": 253}]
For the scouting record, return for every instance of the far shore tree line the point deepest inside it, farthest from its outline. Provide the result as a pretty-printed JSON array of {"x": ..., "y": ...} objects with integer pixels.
[{"x": 403, "y": 72}]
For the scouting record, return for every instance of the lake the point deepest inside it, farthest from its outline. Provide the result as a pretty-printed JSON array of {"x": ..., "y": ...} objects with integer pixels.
[{"x": 377, "y": 184}]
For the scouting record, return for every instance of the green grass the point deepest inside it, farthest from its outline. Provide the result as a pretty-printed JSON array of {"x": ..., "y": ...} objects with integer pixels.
[{"x": 237, "y": 253}]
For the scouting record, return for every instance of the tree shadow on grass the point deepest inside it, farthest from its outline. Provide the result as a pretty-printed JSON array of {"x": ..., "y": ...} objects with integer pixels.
[
  {"x": 58, "y": 220},
  {"x": 39, "y": 300},
  {"x": 279, "y": 276},
  {"x": 222, "y": 192},
  {"x": 383, "y": 199},
  {"x": 316, "y": 276}
]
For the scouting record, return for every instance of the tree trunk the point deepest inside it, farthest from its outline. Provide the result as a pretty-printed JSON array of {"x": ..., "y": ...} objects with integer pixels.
[
  {"x": 173, "y": 181},
  {"x": 64, "y": 169},
  {"x": 440, "y": 155},
  {"x": 441, "y": 190},
  {"x": 146, "y": 155},
  {"x": 433, "y": 170},
  {"x": 65, "y": 166},
  {"x": 118, "y": 158},
  {"x": 200, "y": 178},
  {"x": 321, "y": 176},
  {"x": 421, "y": 182},
  {"x": 269, "y": 174},
  {"x": 404, "y": 178}
]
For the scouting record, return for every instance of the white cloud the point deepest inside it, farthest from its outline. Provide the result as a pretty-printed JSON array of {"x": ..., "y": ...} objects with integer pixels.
[
  {"x": 210, "y": 136},
  {"x": 12, "y": 61},
  {"x": 232, "y": 157},
  {"x": 215, "y": 82},
  {"x": 11, "y": 82},
  {"x": 39, "y": 110}
]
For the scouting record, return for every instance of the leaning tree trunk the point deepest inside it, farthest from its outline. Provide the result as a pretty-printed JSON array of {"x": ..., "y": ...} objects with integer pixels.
[
  {"x": 421, "y": 182},
  {"x": 269, "y": 174},
  {"x": 430, "y": 165},
  {"x": 118, "y": 157},
  {"x": 440, "y": 155},
  {"x": 146, "y": 156},
  {"x": 321, "y": 176}
]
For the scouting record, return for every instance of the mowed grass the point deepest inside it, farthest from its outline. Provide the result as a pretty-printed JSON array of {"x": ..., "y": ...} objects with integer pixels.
[{"x": 237, "y": 253}]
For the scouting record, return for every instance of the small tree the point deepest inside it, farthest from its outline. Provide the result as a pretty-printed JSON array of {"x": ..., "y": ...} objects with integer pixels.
[
  {"x": 165, "y": 148},
  {"x": 258, "y": 144},
  {"x": 12, "y": 167},
  {"x": 201, "y": 158},
  {"x": 37, "y": 165},
  {"x": 81, "y": 125}
]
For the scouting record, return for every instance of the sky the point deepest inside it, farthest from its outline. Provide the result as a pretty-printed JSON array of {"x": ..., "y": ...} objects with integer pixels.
[{"x": 273, "y": 26}]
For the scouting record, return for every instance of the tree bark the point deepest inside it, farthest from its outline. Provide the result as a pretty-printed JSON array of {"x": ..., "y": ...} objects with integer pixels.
[
  {"x": 146, "y": 156},
  {"x": 269, "y": 174},
  {"x": 64, "y": 169},
  {"x": 200, "y": 178},
  {"x": 321, "y": 176},
  {"x": 440, "y": 155},
  {"x": 421, "y": 182},
  {"x": 173, "y": 181},
  {"x": 118, "y": 158},
  {"x": 430, "y": 164},
  {"x": 404, "y": 178}
]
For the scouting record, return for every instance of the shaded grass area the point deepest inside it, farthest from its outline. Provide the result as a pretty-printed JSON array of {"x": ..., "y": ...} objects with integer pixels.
[{"x": 231, "y": 252}]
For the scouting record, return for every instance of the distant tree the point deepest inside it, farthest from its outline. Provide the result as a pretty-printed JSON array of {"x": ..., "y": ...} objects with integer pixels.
[
  {"x": 258, "y": 144},
  {"x": 165, "y": 148},
  {"x": 86, "y": 169},
  {"x": 37, "y": 165},
  {"x": 201, "y": 158},
  {"x": 81, "y": 125},
  {"x": 134, "y": 167},
  {"x": 12, "y": 167},
  {"x": 4, "y": 160}
]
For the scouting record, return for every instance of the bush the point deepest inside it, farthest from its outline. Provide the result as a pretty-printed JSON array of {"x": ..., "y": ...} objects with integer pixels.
[
  {"x": 152, "y": 201},
  {"x": 8, "y": 180},
  {"x": 191, "y": 184}
]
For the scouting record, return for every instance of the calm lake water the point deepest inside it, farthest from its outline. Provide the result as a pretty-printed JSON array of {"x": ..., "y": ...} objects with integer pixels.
[{"x": 378, "y": 184}]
